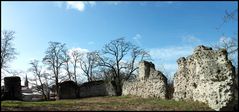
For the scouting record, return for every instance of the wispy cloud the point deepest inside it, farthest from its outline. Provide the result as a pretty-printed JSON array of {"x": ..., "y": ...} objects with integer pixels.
[
  {"x": 59, "y": 4},
  {"x": 81, "y": 5},
  {"x": 114, "y": 2},
  {"x": 92, "y": 3},
  {"x": 225, "y": 39},
  {"x": 168, "y": 68},
  {"x": 137, "y": 38},
  {"x": 79, "y": 71},
  {"x": 190, "y": 39},
  {"x": 166, "y": 58},
  {"x": 233, "y": 43},
  {"x": 81, "y": 50},
  {"x": 171, "y": 53},
  {"x": 77, "y": 5}
]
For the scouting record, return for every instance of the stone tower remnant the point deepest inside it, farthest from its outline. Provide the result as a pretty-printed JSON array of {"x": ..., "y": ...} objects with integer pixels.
[
  {"x": 150, "y": 82},
  {"x": 206, "y": 76},
  {"x": 12, "y": 88}
]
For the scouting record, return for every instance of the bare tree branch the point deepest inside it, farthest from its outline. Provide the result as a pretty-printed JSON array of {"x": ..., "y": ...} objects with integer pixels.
[
  {"x": 55, "y": 59},
  {"x": 8, "y": 52},
  {"x": 36, "y": 69}
]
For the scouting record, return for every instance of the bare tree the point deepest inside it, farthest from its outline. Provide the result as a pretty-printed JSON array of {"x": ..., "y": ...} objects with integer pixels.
[
  {"x": 54, "y": 59},
  {"x": 36, "y": 69},
  {"x": 228, "y": 16},
  {"x": 8, "y": 52},
  {"x": 116, "y": 51},
  {"x": 76, "y": 56},
  {"x": 230, "y": 44},
  {"x": 104, "y": 73},
  {"x": 46, "y": 85},
  {"x": 121, "y": 57},
  {"x": 89, "y": 63},
  {"x": 131, "y": 66},
  {"x": 67, "y": 64}
]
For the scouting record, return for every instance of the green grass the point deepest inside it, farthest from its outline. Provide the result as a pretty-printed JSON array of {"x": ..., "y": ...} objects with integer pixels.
[{"x": 106, "y": 103}]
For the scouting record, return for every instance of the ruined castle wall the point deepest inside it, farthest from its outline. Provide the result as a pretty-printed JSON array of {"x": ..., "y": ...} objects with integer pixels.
[
  {"x": 68, "y": 90},
  {"x": 96, "y": 88},
  {"x": 206, "y": 76},
  {"x": 150, "y": 83},
  {"x": 12, "y": 88}
]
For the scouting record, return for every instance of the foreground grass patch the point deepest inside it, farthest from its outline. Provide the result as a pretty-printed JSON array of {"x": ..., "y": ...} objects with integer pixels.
[{"x": 105, "y": 103}]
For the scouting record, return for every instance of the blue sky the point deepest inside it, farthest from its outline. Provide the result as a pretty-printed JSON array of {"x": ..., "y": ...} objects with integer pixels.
[{"x": 168, "y": 30}]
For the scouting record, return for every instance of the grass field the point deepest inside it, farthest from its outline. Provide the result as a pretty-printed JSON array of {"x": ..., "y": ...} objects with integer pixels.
[{"x": 105, "y": 103}]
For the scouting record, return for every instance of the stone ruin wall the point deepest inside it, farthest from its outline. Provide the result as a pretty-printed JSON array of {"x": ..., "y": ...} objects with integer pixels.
[
  {"x": 150, "y": 83},
  {"x": 206, "y": 76},
  {"x": 96, "y": 88},
  {"x": 12, "y": 88},
  {"x": 68, "y": 90}
]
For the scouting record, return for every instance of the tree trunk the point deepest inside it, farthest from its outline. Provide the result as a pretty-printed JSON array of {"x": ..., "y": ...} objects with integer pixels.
[
  {"x": 57, "y": 88},
  {"x": 118, "y": 87},
  {"x": 42, "y": 88}
]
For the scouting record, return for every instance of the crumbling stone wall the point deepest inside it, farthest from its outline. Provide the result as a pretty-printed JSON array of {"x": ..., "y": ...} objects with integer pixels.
[
  {"x": 96, "y": 88},
  {"x": 150, "y": 82},
  {"x": 207, "y": 76},
  {"x": 68, "y": 90},
  {"x": 12, "y": 88}
]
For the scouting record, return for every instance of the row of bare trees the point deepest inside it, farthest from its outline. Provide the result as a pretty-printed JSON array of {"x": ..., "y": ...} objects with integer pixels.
[{"x": 115, "y": 62}]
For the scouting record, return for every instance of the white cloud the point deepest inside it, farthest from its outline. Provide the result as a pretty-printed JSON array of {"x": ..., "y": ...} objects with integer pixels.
[
  {"x": 168, "y": 69},
  {"x": 170, "y": 53},
  {"x": 137, "y": 38},
  {"x": 171, "y": 66},
  {"x": 81, "y": 50},
  {"x": 224, "y": 39},
  {"x": 32, "y": 59},
  {"x": 191, "y": 39},
  {"x": 79, "y": 5},
  {"x": 114, "y": 2},
  {"x": 166, "y": 58},
  {"x": 233, "y": 43},
  {"x": 92, "y": 3}
]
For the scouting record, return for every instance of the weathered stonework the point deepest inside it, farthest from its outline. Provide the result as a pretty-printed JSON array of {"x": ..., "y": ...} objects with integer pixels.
[
  {"x": 12, "y": 88},
  {"x": 150, "y": 83},
  {"x": 206, "y": 76},
  {"x": 68, "y": 90},
  {"x": 96, "y": 88}
]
